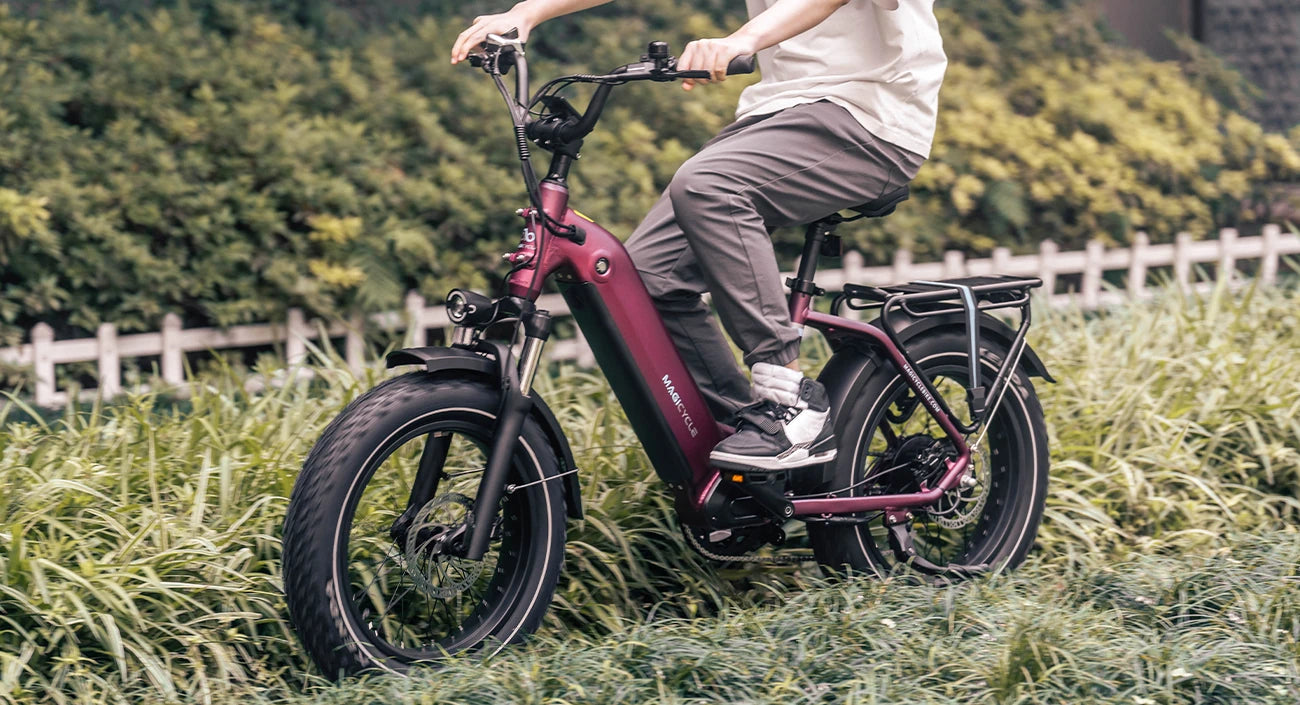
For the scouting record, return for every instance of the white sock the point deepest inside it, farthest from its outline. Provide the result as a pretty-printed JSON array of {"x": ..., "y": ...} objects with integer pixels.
[{"x": 778, "y": 383}]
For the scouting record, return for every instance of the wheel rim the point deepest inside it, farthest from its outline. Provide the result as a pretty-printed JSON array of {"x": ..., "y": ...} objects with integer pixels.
[
  {"x": 987, "y": 512},
  {"x": 390, "y": 584}
]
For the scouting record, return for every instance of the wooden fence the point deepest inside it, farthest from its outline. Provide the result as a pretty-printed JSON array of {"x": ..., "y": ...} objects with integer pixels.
[{"x": 1088, "y": 289}]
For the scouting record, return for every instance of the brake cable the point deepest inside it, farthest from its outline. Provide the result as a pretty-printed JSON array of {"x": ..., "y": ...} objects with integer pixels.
[{"x": 518, "y": 118}]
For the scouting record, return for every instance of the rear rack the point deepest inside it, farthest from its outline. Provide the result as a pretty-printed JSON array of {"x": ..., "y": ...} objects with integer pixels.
[
  {"x": 966, "y": 295},
  {"x": 927, "y": 298}
]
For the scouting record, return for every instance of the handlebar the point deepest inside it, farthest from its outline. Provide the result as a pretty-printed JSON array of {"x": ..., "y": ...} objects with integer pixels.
[
  {"x": 658, "y": 69},
  {"x": 562, "y": 128},
  {"x": 504, "y": 51}
]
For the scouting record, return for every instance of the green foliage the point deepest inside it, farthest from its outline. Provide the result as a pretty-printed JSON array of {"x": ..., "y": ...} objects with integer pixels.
[
  {"x": 1152, "y": 401},
  {"x": 190, "y": 170},
  {"x": 227, "y": 160},
  {"x": 1045, "y": 131},
  {"x": 139, "y": 548},
  {"x": 23, "y": 228},
  {"x": 198, "y": 159}
]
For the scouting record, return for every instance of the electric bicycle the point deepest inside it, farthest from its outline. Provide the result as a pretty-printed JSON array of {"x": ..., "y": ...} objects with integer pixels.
[{"x": 430, "y": 516}]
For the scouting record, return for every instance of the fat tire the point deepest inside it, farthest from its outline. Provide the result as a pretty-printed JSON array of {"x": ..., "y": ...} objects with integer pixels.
[
  {"x": 852, "y": 549},
  {"x": 325, "y": 625}
]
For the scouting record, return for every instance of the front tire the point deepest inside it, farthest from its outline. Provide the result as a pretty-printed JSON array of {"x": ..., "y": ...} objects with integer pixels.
[
  {"x": 366, "y": 595},
  {"x": 993, "y": 522}
]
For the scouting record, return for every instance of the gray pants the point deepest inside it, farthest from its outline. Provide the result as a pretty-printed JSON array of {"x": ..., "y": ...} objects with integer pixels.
[{"x": 710, "y": 232}]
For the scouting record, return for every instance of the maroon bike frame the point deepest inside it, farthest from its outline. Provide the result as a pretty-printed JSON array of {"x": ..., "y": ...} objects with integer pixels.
[{"x": 665, "y": 385}]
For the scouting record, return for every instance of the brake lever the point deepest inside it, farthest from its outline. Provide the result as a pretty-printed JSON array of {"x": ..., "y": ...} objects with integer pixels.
[
  {"x": 508, "y": 40},
  {"x": 498, "y": 46}
]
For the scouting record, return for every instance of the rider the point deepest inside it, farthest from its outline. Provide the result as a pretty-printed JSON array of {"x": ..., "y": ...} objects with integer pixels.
[{"x": 844, "y": 113}]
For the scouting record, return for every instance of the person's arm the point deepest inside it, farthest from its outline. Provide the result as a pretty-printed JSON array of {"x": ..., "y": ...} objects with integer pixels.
[
  {"x": 784, "y": 19},
  {"x": 524, "y": 16}
]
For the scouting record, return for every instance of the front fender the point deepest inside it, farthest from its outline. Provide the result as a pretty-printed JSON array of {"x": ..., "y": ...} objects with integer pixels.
[
  {"x": 436, "y": 358},
  {"x": 463, "y": 360}
]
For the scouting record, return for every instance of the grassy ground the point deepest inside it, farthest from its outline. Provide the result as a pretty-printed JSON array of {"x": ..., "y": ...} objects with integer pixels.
[
  {"x": 1219, "y": 628},
  {"x": 139, "y": 555}
]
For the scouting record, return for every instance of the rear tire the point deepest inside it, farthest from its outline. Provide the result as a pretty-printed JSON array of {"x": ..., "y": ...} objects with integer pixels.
[
  {"x": 1013, "y": 473},
  {"x": 340, "y": 556}
]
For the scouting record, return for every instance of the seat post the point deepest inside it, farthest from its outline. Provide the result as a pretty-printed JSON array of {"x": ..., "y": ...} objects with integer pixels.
[
  {"x": 802, "y": 287},
  {"x": 814, "y": 238}
]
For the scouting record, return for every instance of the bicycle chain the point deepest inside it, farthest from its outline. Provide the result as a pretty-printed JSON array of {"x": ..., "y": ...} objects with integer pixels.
[{"x": 791, "y": 558}]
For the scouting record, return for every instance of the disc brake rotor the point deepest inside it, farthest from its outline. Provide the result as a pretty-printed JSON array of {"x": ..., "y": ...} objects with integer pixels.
[
  {"x": 963, "y": 504},
  {"x": 435, "y": 572}
]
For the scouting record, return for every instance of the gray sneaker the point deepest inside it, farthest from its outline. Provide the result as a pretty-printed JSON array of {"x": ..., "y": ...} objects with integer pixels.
[{"x": 791, "y": 427}]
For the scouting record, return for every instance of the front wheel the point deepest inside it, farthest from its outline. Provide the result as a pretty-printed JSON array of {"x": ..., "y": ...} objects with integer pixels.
[
  {"x": 384, "y": 500},
  {"x": 890, "y": 444}
]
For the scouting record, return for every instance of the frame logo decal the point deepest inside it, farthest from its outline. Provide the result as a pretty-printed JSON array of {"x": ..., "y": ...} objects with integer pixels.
[
  {"x": 919, "y": 386},
  {"x": 677, "y": 401}
]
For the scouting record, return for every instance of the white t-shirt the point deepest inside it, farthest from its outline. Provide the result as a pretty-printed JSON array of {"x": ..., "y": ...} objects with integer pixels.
[{"x": 883, "y": 66}]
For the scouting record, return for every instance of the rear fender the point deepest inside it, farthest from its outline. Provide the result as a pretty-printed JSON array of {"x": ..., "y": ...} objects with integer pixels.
[
  {"x": 848, "y": 369},
  {"x": 465, "y": 361}
]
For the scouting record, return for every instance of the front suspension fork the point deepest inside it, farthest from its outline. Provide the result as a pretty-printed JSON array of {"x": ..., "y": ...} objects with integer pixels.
[{"x": 516, "y": 403}]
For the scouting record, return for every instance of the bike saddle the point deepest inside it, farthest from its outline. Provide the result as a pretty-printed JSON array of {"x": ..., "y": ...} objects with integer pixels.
[{"x": 884, "y": 205}]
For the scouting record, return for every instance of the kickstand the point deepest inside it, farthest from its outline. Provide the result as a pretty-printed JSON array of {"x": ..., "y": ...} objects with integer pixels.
[{"x": 900, "y": 539}]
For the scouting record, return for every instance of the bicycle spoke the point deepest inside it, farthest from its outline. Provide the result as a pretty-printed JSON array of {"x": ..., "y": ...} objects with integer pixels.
[{"x": 366, "y": 591}]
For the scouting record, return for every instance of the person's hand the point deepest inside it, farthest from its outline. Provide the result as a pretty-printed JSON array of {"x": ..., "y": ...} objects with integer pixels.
[
  {"x": 500, "y": 23},
  {"x": 712, "y": 55}
]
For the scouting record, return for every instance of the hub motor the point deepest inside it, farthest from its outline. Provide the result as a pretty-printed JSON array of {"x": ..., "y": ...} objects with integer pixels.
[
  {"x": 921, "y": 460},
  {"x": 918, "y": 461}
]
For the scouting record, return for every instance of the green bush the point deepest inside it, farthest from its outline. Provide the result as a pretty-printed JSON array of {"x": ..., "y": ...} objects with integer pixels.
[
  {"x": 230, "y": 175},
  {"x": 1046, "y": 131},
  {"x": 225, "y": 165},
  {"x": 228, "y": 160}
]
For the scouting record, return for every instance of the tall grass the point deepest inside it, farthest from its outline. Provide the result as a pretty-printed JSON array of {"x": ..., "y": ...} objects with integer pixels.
[
  {"x": 139, "y": 551},
  {"x": 1172, "y": 424},
  {"x": 1217, "y": 628}
]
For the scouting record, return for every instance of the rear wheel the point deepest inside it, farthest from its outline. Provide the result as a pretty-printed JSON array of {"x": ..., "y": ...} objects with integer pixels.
[
  {"x": 383, "y": 503},
  {"x": 890, "y": 444}
]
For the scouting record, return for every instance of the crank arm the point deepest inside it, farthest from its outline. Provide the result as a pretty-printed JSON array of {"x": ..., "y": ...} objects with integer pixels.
[{"x": 770, "y": 499}]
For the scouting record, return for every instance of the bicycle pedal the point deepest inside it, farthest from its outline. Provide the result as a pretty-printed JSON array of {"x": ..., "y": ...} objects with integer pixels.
[
  {"x": 767, "y": 487},
  {"x": 755, "y": 476},
  {"x": 811, "y": 474}
]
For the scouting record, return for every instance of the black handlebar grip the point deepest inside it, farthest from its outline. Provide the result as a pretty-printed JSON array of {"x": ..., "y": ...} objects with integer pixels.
[
  {"x": 741, "y": 64},
  {"x": 738, "y": 65}
]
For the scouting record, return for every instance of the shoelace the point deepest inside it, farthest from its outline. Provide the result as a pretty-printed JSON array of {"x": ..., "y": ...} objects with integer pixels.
[{"x": 766, "y": 415}]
